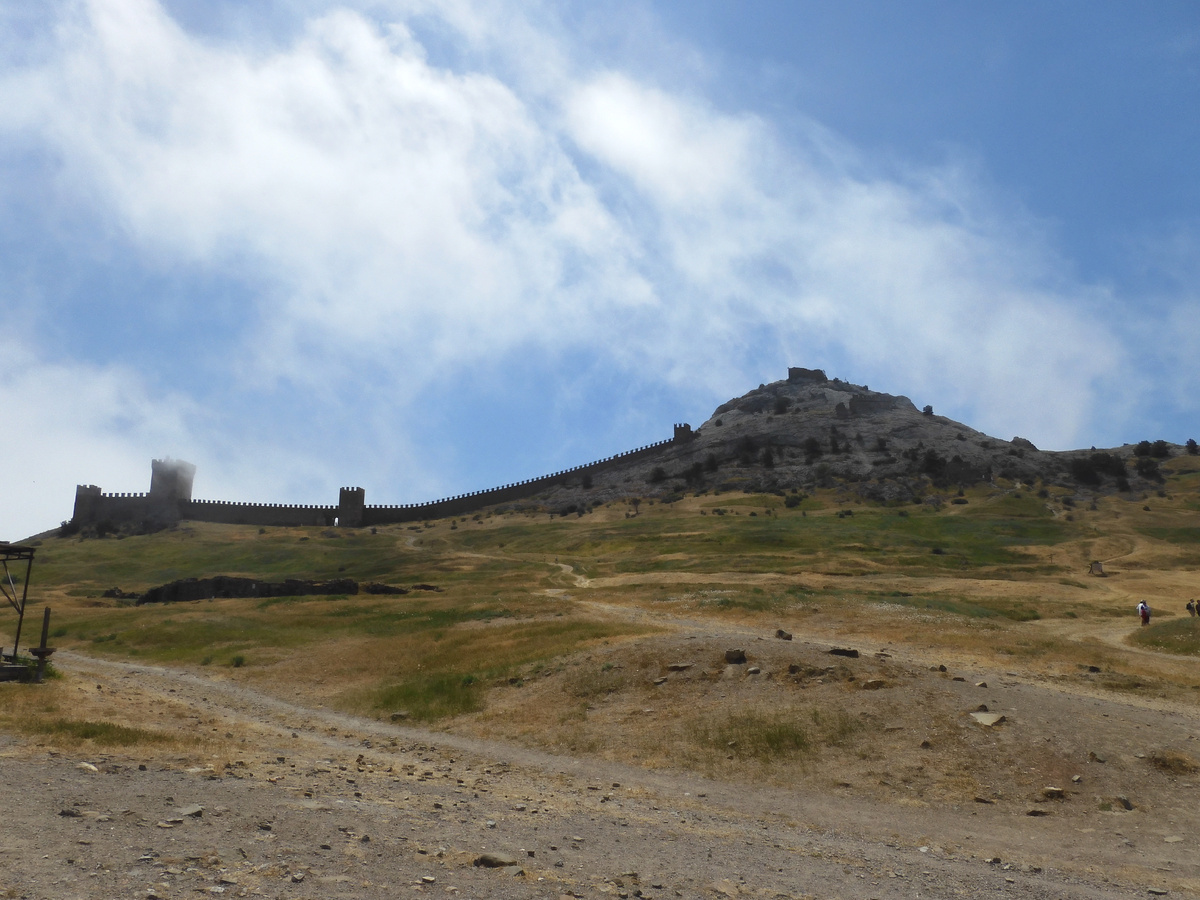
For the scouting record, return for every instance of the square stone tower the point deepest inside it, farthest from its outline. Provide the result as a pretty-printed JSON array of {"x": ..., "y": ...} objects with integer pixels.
[{"x": 171, "y": 480}]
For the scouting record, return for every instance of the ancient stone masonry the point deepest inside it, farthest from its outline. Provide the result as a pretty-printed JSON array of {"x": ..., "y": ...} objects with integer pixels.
[
  {"x": 170, "y": 498},
  {"x": 796, "y": 375}
]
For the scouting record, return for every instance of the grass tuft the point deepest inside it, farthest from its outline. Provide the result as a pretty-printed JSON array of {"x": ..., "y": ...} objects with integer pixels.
[
  {"x": 431, "y": 697},
  {"x": 104, "y": 734}
]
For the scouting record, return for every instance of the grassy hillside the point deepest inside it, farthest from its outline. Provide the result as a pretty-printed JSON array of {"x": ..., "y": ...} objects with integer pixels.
[{"x": 998, "y": 573}]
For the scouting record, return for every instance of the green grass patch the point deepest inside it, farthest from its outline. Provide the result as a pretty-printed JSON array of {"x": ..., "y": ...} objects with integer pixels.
[
  {"x": 768, "y": 736},
  {"x": 194, "y": 632},
  {"x": 975, "y": 608},
  {"x": 448, "y": 674},
  {"x": 103, "y": 734},
  {"x": 1180, "y": 636},
  {"x": 428, "y": 698},
  {"x": 1182, "y": 534},
  {"x": 1026, "y": 506}
]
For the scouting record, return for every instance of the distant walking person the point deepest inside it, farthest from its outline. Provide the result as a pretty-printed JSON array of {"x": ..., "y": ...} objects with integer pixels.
[
  {"x": 1143, "y": 609},
  {"x": 1191, "y": 607}
]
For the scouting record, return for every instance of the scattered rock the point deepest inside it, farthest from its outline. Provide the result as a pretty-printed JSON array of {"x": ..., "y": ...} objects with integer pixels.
[
  {"x": 1095, "y": 757},
  {"x": 70, "y": 813},
  {"x": 1158, "y": 892},
  {"x": 513, "y": 870},
  {"x": 844, "y": 651},
  {"x": 958, "y": 678},
  {"x": 982, "y": 707},
  {"x": 1124, "y": 803},
  {"x": 982, "y": 684},
  {"x": 194, "y": 811},
  {"x": 874, "y": 684},
  {"x": 86, "y": 767},
  {"x": 1036, "y": 812},
  {"x": 754, "y": 670},
  {"x": 662, "y": 679},
  {"x": 399, "y": 715},
  {"x": 735, "y": 657},
  {"x": 1053, "y": 793},
  {"x": 988, "y": 719},
  {"x": 494, "y": 860},
  {"x": 679, "y": 667},
  {"x": 783, "y": 635}
]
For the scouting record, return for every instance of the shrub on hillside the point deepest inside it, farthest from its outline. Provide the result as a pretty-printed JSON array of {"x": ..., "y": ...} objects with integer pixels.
[
  {"x": 932, "y": 464},
  {"x": 1148, "y": 468}
]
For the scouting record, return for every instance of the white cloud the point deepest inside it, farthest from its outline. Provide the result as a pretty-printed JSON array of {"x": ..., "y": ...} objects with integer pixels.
[
  {"x": 67, "y": 420},
  {"x": 407, "y": 217}
]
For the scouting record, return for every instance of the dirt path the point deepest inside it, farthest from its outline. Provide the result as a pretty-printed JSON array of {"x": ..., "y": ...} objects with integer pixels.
[{"x": 319, "y": 804}]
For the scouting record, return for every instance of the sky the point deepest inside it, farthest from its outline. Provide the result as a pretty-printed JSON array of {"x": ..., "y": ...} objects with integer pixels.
[{"x": 430, "y": 247}]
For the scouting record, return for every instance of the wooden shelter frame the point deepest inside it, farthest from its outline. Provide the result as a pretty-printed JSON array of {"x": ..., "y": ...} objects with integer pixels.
[{"x": 11, "y": 557}]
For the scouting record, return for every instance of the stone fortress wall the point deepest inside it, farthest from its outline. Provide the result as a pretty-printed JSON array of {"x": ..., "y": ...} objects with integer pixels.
[{"x": 170, "y": 498}]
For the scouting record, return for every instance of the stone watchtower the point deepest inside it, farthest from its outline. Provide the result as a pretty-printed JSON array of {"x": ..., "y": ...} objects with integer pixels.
[
  {"x": 171, "y": 480},
  {"x": 88, "y": 500},
  {"x": 170, "y": 489},
  {"x": 351, "y": 503}
]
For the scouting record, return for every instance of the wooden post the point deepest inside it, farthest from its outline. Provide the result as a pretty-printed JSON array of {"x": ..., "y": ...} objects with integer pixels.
[{"x": 43, "y": 652}]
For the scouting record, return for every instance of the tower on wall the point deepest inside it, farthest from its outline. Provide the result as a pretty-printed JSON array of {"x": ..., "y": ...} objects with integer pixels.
[
  {"x": 351, "y": 502},
  {"x": 87, "y": 504},
  {"x": 171, "y": 480}
]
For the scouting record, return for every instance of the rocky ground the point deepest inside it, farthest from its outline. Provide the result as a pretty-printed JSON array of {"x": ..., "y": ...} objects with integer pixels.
[{"x": 296, "y": 801}]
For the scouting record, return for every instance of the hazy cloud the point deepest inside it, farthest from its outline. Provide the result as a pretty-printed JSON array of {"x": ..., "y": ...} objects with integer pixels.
[{"x": 409, "y": 216}]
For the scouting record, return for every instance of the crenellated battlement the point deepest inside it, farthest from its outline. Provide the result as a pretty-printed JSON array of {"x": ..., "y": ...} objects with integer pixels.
[{"x": 170, "y": 498}]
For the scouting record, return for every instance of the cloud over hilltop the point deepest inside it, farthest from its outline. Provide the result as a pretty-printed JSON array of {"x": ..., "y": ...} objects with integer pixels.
[{"x": 392, "y": 195}]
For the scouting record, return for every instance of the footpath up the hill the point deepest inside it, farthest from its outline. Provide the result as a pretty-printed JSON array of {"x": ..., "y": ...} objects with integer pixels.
[{"x": 312, "y": 803}]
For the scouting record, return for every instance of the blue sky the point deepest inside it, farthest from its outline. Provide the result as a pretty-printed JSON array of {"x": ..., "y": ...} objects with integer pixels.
[{"x": 430, "y": 247}]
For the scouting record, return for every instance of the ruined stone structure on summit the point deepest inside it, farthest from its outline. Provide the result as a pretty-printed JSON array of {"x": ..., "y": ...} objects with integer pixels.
[{"x": 170, "y": 498}]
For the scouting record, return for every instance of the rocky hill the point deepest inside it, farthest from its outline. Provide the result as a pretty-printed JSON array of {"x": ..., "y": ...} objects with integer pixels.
[{"x": 811, "y": 431}]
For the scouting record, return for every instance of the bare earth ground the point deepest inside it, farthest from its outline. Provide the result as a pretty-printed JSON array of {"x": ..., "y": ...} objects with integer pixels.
[
  {"x": 593, "y": 792},
  {"x": 301, "y": 802}
]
